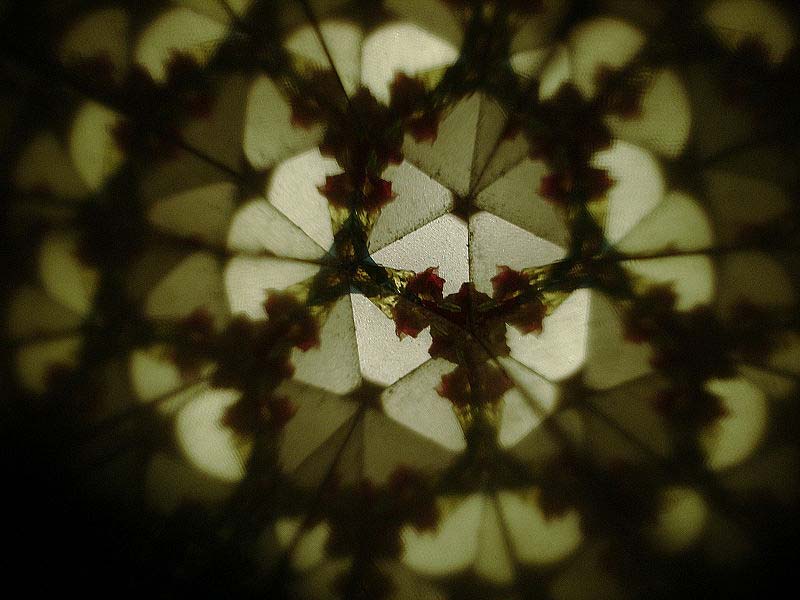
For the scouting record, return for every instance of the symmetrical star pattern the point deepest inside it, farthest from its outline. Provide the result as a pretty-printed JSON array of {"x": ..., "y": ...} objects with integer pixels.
[{"x": 432, "y": 298}]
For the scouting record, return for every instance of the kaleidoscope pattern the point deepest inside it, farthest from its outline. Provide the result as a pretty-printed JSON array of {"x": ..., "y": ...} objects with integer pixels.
[{"x": 411, "y": 298}]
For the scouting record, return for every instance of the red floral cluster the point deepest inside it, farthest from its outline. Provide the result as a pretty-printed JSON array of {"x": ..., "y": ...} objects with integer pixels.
[
  {"x": 357, "y": 190},
  {"x": 371, "y": 517},
  {"x": 469, "y": 327},
  {"x": 582, "y": 185},
  {"x": 410, "y": 102},
  {"x": 565, "y": 131},
  {"x": 152, "y": 109},
  {"x": 620, "y": 92},
  {"x": 251, "y": 356},
  {"x": 570, "y": 482},
  {"x": 694, "y": 346}
]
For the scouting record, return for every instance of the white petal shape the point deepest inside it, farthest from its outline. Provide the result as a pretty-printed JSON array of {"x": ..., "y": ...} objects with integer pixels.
[
  {"x": 601, "y": 42},
  {"x": 155, "y": 378},
  {"x": 319, "y": 416},
  {"x": 638, "y": 187},
  {"x": 555, "y": 73},
  {"x": 514, "y": 197},
  {"x": 503, "y": 158},
  {"x": 409, "y": 449},
  {"x": 434, "y": 16},
  {"x": 767, "y": 161},
  {"x": 773, "y": 472},
  {"x": 201, "y": 213},
  {"x": 539, "y": 393},
  {"x": 525, "y": 405},
  {"x": 205, "y": 441},
  {"x": 194, "y": 284},
  {"x": 495, "y": 242},
  {"x": 677, "y": 223},
  {"x": 153, "y": 374},
  {"x": 420, "y": 199},
  {"x": 293, "y": 191},
  {"x": 441, "y": 243},
  {"x": 46, "y": 166},
  {"x": 776, "y": 387},
  {"x": 177, "y": 30},
  {"x": 560, "y": 349},
  {"x": 384, "y": 357},
  {"x": 401, "y": 47},
  {"x": 269, "y": 135},
  {"x": 334, "y": 365},
  {"x": 103, "y": 34},
  {"x": 343, "y": 41},
  {"x": 492, "y": 560},
  {"x": 217, "y": 10},
  {"x": 787, "y": 354},
  {"x": 449, "y": 158},
  {"x": 624, "y": 421},
  {"x": 737, "y": 435},
  {"x": 517, "y": 418},
  {"x": 755, "y": 278},
  {"x": 691, "y": 277},
  {"x": 665, "y": 121},
  {"x": 33, "y": 312},
  {"x": 537, "y": 540},
  {"x": 680, "y": 521},
  {"x": 587, "y": 578},
  {"x": 258, "y": 226},
  {"x": 220, "y": 133},
  {"x": 63, "y": 275},
  {"x": 529, "y": 63},
  {"x": 310, "y": 546},
  {"x": 718, "y": 122},
  {"x": 452, "y": 546},
  {"x": 171, "y": 482},
  {"x": 734, "y": 196},
  {"x": 740, "y": 20},
  {"x": 94, "y": 150},
  {"x": 414, "y": 402},
  {"x": 490, "y": 148},
  {"x": 35, "y": 361},
  {"x": 611, "y": 359},
  {"x": 535, "y": 29},
  {"x": 248, "y": 281}
]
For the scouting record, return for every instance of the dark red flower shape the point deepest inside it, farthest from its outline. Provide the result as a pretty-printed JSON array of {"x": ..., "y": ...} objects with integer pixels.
[
  {"x": 621, "y": 93},
  {"x": 557, "y": 187},
  {"x": 481, "y": 384},
  {"x": 409, "y": 101},
  {"x": 406, "y": 94},
  {"x": 424, "y": 127},
  {"x": 690, "y": 408},
  {"x": 345, "y": 191},
  {"x": 427, "y": 286},
  {"x": 649, "y": 313},
  {"x": 194, "y": 337},
  {"x": 409, "y": 319},
  {"x": 307, "y": 109},
  {"x": 528, "y": 317},
  {"x": 455, "y": 386},
  {"x": 376, "y": 193},
  {"x": 338, "y": 189},
  {"x": 290, "y": 319},
  {"x": 508, "y": 283},
  {"x": 567, "y": 187},
  {"x": 281, "y": 410}
]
